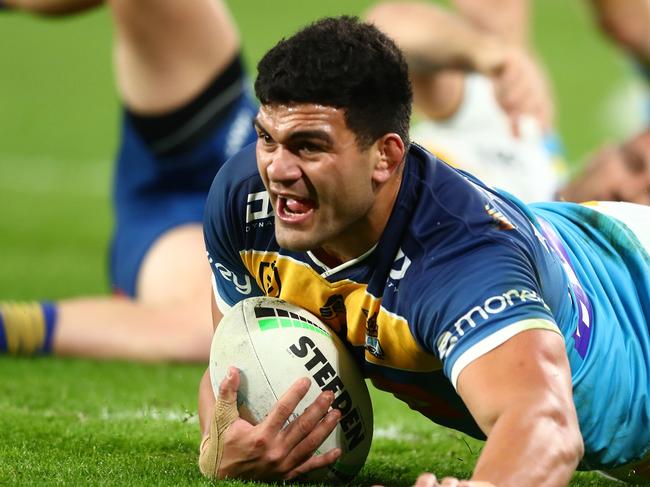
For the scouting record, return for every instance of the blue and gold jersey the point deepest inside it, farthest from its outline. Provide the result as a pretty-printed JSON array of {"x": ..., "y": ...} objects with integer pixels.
[{"x": 460, "y": 269}]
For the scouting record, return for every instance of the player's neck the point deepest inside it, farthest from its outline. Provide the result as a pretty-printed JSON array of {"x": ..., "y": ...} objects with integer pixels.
[
  {"x": 329, "y": 260},
  {"x": 361, "y": 237}
]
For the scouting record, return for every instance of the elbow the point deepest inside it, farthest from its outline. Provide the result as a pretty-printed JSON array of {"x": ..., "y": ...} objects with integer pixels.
[
  {"x": 572, "y": 447},
  {"x": 575, "y": 449}
]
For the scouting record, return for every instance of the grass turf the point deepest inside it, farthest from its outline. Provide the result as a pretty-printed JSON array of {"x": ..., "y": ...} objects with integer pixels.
[
  {"x": 77, "y": 422},
  {"x": 70, "y": 422}
]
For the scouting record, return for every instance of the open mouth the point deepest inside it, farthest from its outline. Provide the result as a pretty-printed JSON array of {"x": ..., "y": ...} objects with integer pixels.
[{"x": 294, "y": 210}]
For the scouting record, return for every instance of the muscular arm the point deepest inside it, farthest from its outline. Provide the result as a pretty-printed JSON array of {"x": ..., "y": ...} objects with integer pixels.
[{"x": 521, "y": 396}]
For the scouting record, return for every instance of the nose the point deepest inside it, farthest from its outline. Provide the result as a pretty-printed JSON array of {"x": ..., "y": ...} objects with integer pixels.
[{"x": 283, "y": 166}]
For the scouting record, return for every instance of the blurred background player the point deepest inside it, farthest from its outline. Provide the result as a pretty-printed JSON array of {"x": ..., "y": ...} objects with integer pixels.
[
  {"x": 484, "y": 105},
  {"x": 187, "y": 108},
  {"x": 483, "y": 102}
]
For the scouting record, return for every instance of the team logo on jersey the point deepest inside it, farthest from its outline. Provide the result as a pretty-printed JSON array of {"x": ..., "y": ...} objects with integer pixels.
[
  {"x": 372, "y": 332},
  {"x": 258, "y": 206},
  {"x": 400, "y": 266},
  {"x": 333, "y": 313},
  {"x": 500, "y": 220},
  {"x": 269, "y": 279}
]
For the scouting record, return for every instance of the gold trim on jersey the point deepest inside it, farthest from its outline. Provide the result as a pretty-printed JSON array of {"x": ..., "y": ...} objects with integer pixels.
[{"x": 342, "y": 305}]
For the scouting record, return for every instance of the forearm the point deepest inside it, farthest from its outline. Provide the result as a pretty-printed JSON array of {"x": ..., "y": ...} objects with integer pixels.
[
  {"x": 521, "y": 396},
  {"x": 434, "y": 38},
  {"x": 540, "y": 448}
]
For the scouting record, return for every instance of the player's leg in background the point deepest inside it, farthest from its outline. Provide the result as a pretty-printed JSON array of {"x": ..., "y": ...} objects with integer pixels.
[{"x": 171, "y": 59}]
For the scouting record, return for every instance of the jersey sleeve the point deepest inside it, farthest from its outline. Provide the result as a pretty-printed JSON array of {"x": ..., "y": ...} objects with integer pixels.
[
  {"x": 223, "y": 230},
  {"x": 478, "y": 302}
]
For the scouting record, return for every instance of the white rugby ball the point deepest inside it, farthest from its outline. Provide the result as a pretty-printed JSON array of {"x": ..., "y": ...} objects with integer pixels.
[{"x": 273, "y": 343}]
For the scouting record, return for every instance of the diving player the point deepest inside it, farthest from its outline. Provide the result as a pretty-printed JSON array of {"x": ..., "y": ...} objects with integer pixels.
[
  {"x": 524, "y": 325},
  {"x": 187, "y": 108}
]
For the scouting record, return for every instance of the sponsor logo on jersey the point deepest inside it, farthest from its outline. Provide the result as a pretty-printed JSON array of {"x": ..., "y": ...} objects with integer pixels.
[
  {"x": 481, "y": 313},
  {"x": 258, "y": 206},
  {"x": 269, "y": 279},
  {"x": 242, "y": 284}
]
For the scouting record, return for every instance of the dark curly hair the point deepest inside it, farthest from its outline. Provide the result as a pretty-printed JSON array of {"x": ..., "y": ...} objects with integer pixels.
[{"x": 343, "y": 63}]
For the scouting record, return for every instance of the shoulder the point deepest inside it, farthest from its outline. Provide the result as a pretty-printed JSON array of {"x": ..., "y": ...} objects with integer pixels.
[
  {"x": 237, "y": 171},
  {"x": 237, "y": 196},
  {"x": 235, "y": 181}
]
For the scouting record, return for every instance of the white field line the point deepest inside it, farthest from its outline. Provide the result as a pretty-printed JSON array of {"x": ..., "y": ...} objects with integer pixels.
[
  {"x": 105, "y": 414},
  {"x": 394, "y": 432}
]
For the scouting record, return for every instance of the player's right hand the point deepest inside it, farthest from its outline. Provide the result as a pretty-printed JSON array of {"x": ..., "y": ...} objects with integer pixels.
[{"x": 269, "y": 450}]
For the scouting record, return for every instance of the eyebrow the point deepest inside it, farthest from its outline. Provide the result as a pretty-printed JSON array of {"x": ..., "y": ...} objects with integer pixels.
[{"x": 300, "y": 134}]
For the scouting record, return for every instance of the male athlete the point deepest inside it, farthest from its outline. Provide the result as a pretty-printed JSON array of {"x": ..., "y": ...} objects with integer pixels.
[
  {"x": 524, "y": 325},
  {"x": 187, "y": 109}
]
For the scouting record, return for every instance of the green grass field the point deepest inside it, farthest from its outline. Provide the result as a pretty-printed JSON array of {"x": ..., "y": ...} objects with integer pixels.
[{"x": 77, "y": 422}]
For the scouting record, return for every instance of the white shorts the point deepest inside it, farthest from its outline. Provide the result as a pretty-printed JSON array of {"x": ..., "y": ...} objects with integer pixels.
[{"x": 635, "y": 217}]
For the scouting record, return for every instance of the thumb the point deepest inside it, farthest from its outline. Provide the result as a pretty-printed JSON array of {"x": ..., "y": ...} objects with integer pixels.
[{"x": 229, "y": 385}]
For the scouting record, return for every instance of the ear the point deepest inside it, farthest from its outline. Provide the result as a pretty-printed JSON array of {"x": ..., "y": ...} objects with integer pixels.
[{"x": 390, "y": 151}]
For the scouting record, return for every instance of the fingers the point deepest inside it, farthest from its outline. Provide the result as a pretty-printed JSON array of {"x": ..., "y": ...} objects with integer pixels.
[
  {"x": 229, "y": 385},
  {"x": 307, "y": 437},
  {"x": 310, "y": 420},
  {"x": 286, "y": 405},
  {"x": 426, "y": 480},
  {"x": 317, "y": 461},
  {"x": 451, "y": 482}
]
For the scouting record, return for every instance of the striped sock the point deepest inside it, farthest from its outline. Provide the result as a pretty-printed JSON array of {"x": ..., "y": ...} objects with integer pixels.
[{"x": 27, "y": 328}]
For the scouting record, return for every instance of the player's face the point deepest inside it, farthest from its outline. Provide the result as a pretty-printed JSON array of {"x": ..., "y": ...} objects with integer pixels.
[{"x": 323, "y": 187}]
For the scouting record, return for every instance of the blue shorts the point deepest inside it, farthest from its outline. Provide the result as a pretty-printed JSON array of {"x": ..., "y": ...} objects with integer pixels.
[{"x": 153, "y": 194}]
